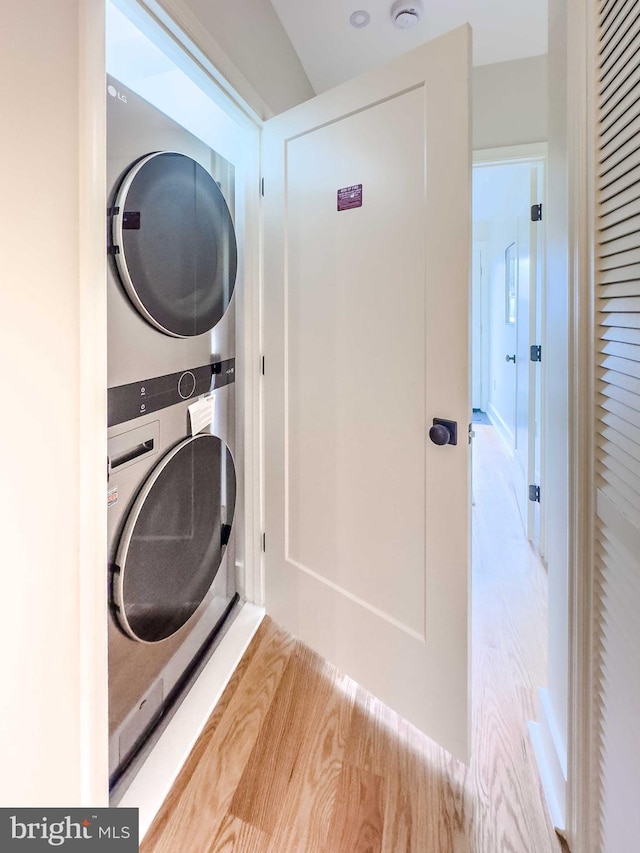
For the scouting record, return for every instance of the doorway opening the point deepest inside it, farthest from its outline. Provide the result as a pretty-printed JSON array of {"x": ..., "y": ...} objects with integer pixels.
[
  {"x": 507, "y": 307},
  {"x": 509, "y": 586}
]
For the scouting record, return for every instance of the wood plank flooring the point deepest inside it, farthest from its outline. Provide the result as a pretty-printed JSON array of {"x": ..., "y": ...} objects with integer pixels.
[{"x": 297, "y": 758}]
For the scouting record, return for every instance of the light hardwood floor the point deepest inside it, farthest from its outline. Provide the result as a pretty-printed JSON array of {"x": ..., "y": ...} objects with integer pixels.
[{"x": 297, "y": 758}]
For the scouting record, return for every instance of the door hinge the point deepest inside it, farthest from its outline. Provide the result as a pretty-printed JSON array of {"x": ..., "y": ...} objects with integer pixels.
[
  {"x": 536, "y": 212},
  {"x": 534, "y": 494},
  {"x": 264, "y": 542},
  {"x": 536, "y": 353},
  {"x": 262, "y": 186}
]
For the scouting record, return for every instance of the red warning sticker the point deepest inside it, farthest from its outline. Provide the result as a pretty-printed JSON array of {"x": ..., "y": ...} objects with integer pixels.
[
  {"x": 349, "y": 197},
  {"x": 112, "y": 496}
]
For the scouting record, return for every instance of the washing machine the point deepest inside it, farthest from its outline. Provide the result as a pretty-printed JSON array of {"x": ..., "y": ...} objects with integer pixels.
[{"x": 172, "y": 467}]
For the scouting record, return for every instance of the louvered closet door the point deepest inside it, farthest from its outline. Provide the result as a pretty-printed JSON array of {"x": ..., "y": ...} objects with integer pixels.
[{"x": 618, "y": 425}]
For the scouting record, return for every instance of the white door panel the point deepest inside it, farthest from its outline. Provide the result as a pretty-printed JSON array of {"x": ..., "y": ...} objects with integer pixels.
[
  {"x": 527, "y": 376},
  {"x": 524, "y": 316},
  {"x": 366, "y": 341},
  {"x": 366, "y": 414}
]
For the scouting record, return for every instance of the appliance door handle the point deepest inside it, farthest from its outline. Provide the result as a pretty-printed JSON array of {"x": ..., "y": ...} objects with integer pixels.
[{"x": 130, "y": 454}]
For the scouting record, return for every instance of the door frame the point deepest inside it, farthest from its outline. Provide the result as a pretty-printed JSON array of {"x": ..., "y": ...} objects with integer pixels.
[
  {"x": 582, "y": 824},
  {"x": 582, "y": 799},
  {"x": 579, "y": 817},
  {"x": 176, "y": 30},
  {"x": 534, "y": 153}
]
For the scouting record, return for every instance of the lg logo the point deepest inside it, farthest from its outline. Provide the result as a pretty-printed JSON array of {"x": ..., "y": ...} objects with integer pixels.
[{"x": 115, "y": 94}]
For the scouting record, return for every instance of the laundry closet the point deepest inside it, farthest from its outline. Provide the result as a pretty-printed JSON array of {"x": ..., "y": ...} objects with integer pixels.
[
  {"x": 349, "y": 517},
  {"x": 175, "y": 488}
]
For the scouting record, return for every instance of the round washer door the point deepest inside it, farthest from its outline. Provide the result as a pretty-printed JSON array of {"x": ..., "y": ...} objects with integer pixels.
[
  {"x": 174, "y": 539},
  {"x": 175, "y": 244}
]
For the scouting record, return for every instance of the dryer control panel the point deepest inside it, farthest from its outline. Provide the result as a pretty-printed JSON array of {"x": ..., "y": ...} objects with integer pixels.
[{"x": 126, "y": 402}]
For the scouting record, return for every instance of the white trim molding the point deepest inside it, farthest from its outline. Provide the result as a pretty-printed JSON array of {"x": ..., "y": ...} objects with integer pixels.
[
  {"x": 551, "y": 758},
  {"x": 92, "y": 306},
  {"x": 582, "y": 830},
  {"x": 513, "y": 153},
  {"x": 153, "y": 781},
  {"x": 178, "y": 32},
  {"x": 185, "y": 28},
  {"x": 502, "y": 429}
]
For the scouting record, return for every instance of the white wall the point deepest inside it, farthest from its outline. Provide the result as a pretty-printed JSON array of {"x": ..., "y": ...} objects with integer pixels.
[
  {"x": 500, "y": 194},
  {"x": 502, "y": 336},
  {"x": 252, "y": 36},
  {"x": 509, "y": 102},
  {"x": 53, "y": 453}
]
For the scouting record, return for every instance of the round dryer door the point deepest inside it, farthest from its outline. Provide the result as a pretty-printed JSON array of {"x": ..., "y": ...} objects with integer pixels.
[
  {"x": 175, "y": 245},
  {"x": 174, "y": 539}
]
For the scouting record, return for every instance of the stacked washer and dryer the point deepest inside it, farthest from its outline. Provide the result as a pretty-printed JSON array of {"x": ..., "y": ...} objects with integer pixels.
[{"x": 171, "y": 485}]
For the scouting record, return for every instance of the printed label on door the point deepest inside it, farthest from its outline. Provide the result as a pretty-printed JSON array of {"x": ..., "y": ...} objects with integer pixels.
[
  {"x": 202, "y": 413},
  {"x": 349, "y": 197},
  {"x": 112, "y": 496}
]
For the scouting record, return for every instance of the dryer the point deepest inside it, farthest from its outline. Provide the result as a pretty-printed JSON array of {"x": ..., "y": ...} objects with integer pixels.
[
  {"x": 172, "y": 503},
  {"x": 172, "y": 495},
  {"x": 172, "y": 246}
]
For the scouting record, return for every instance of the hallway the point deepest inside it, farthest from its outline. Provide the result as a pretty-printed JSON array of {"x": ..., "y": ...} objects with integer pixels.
[
  {"x": 509, "y": 661},
  {"x": 298, "y": 758}
]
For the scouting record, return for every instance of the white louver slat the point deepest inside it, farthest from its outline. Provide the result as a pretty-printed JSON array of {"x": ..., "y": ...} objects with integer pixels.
[
  {"x": 618, "y": 230},
  {"x": 617, "y": 269},
  {"x": 621, "y": 68},
  {"x": 617, "y": 216}
]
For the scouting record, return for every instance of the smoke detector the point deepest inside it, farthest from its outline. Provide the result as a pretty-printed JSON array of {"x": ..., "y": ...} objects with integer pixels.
[{"x": 405, "y": 14}]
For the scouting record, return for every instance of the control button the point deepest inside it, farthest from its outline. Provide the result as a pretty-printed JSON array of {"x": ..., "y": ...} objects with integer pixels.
[{"x": 186, "y": 385}]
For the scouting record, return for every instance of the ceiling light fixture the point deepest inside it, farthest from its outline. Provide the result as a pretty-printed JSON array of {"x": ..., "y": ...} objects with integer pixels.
[
  {"x": 405, "y": 14},
  {"x": 359, "y": 19}
]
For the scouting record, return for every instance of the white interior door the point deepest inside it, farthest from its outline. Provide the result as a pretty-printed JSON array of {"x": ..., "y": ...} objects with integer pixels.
[
  {"x": 527, "y": 373},
  {"x": 523, "y": 338},
  {"x": 538, "y": 238},
  {"x": 366, "y": 341}
]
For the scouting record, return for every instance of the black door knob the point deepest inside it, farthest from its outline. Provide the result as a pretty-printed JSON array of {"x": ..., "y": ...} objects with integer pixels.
[
  {"x": 439, "y": 434},
  {"x": 510, "y": 358}
]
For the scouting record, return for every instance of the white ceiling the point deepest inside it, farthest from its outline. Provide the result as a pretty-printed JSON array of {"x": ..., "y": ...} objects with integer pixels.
[{"x": 331, "y": 50}]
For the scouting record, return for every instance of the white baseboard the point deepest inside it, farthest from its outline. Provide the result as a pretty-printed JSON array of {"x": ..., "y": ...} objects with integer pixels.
[
  {"x": 502, "y": 429},
  {"x": 551, "y": 758},
  {"x": 156, "y": 776}
]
